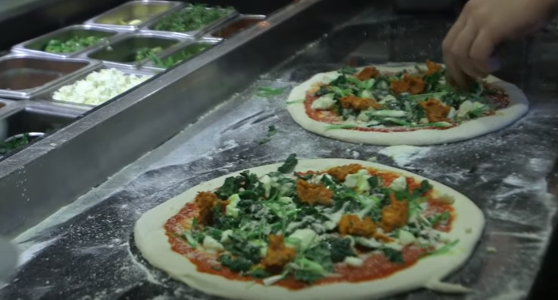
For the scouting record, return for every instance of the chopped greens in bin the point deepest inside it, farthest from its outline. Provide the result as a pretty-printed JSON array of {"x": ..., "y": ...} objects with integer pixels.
[
  {"x": 179, "y": 57},
  {"x": 147, "y": 52},
  {"x": 191, "y": 18},
  {"x": 304, "y": 225},
  {"x": 14, "y": 143},
  {"x": 73, "y": 44}
]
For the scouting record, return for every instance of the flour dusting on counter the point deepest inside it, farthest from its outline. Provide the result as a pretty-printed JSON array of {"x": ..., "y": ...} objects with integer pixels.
[{"x": 403, "y": 155}]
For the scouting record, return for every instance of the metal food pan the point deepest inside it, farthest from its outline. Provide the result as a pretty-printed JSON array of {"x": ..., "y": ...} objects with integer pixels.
[
  {"x": 121, "y": 52},
  {"x": 48, "y": 94},
  {"x": 236, "y": 25},
  {"x": 143, "y": 11},
  {"x": 152, "y": 25},
  {"x": 37, "y": 45},
  {"x": 178, "y": 53},
  {"x": 24, "y": 75}
]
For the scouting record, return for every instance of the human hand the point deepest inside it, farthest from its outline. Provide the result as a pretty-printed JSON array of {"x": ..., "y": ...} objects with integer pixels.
[{"x": 482, "y": 26}]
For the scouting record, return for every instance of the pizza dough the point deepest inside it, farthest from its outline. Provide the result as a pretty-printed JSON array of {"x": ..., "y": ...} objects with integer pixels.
[
  {"x": 428, "y": 272},
  {"x": 467, "y": 130}
]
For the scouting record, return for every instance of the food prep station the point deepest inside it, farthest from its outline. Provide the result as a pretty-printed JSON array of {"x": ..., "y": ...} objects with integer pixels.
[{"x": 71, "y": 192}]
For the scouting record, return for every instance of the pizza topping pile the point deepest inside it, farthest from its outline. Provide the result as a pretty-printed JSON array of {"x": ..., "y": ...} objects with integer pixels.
[
  {"x": 317, "y": 226},
  {"x": 418, "y": 98}
]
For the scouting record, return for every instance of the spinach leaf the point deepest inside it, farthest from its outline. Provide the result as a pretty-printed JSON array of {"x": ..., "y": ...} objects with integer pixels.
[
  {"x": 241, "y": 247},
  {"x": 259, "y": 273},
  {"x": 239, "y": 264},
  {"x": 425, "y": 186},
  {"x": 340, "y": 248},
  {"x": 373, "y": 181},
  {"x": 289, "y": 164},
  {"x": 230, "y": 187},
  {"x": 393, "y": 255}
]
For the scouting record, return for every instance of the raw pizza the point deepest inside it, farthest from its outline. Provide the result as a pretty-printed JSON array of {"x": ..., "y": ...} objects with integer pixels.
[
  {"x": 312, "y": 229},
  {"x": 403, "y": 105}
]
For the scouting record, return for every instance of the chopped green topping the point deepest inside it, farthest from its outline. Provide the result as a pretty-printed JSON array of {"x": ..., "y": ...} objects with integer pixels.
[
  {"x": 73, "y": 44},
  {"x": 191, "y": 18}
]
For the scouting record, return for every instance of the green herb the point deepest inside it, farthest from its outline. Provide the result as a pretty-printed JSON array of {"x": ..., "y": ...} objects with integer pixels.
[
  {"x": 73, "y": 44},
  {"x": 346, "y": 126},
  {"x": 191, "y": 18},
  {"x": 446, "y": 248},
  {"x": 268, "y": 92},
  {"x": 439, "y": 218},
  {"x": 259, "y": 273},
  {"x": 271, "y": 131},
  {"x": 393, "y": 255},
  {"x": 289, "y": 164}
]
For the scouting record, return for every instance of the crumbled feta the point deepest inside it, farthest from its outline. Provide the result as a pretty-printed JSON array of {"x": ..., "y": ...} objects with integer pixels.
[
  {"x": 98, "y": 87},
  {"x": 353, "y": 261},
  {"x": 399, "y": 184},
  {"x": 324, "y": 102},
  {"x": 210, "y": 243},
  {"x": 390, "y": 113}
]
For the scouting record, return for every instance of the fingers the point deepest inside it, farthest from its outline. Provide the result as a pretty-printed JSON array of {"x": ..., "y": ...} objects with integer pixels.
[
  {"x": 450, "y": 60},
  {"x": 461, "y": 49},
  {"x": 480, "y": 53}
]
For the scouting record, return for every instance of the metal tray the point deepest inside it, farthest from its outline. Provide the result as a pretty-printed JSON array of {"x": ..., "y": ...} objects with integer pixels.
[
  {"x": 24, "y": 75},
  {"x": 198, "y": 32},
  {"x": 234, "y": 26},
  {"x": 121, "y": 51},
  {"x": 47, "y": 94},
  {"x": 36, "y": 45},
  {"x": 177, "y": 53},
  {"x": 145, "y": 11}
]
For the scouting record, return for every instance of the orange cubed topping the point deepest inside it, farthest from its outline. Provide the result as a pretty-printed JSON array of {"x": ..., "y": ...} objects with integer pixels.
[
  {"x": 353, "y": 225},
  {"x": 412, "y": 84},
  {"x": 435, "y": 110},
  {"x": 432, "y": 67},
  {"x": 357, "y": 103},
  {"x": 205, "y": 201},
  {"x": 341, "y": 172},
  {"x": 395, "y": 214},
  {"x": 367, "y": 73},
  {"x": 277, "y": 255},
  {"x": 313, "y": 193}
]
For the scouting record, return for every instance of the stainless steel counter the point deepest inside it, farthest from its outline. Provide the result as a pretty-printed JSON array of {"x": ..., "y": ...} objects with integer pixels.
[{"x": 85, "y": 250}]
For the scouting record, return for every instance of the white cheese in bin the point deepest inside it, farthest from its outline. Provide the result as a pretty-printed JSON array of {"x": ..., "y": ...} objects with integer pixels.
[{"x": 99, "y": 87}]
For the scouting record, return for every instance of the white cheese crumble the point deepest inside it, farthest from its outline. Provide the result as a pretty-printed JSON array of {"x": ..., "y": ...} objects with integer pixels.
[
  {"x": 399, "y": 184},
  {"x": 354, "y": 261},
  {"x": 98, "y": 87},
  {"x": 324, "y": 102}
]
